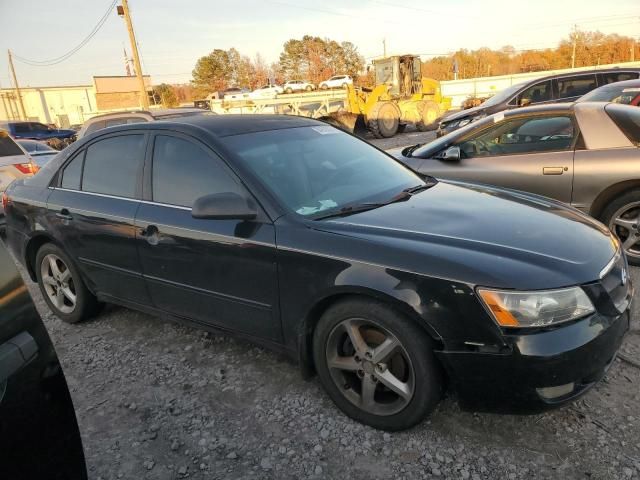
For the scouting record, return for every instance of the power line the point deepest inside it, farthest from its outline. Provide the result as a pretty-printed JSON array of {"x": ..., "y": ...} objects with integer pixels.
[{"x": 62, "y": 58}]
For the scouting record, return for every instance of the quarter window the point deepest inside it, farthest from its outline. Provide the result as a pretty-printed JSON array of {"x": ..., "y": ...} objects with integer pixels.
[
  {"x": 571, "y": 87},
  {"x": 183, "y": 172},
  {"x": 618, "y": 77},
  {"x": 540, "y": 92},
  {"x": 522, "y": 136},
  {"x": 72, "y": 173},
  {"x": 111, "y": 165}
]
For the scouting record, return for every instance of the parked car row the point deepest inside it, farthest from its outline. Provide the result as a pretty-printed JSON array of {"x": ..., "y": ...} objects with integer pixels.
[
  {"x": 567, "y": 87},
  {"x": 388, "y": 284}
]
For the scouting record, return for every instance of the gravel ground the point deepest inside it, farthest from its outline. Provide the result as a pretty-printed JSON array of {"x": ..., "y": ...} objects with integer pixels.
[
  {"x": 410, "y": 137},
  {"x": 156, "y": 400}
]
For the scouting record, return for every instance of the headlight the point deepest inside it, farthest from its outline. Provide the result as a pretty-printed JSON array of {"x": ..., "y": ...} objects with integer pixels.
[
  {"x": 464, "y": 122},
  {"x": 537, "y": 308}
]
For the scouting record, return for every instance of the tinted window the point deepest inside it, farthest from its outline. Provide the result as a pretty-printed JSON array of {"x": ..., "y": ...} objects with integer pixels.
[
  {"x": 111, "y": 165},
  {"x": 72, "y": 173},
  {"x": 627, "y": 119},
  {"x": 320, "y": 168},
  {"x": 8, "y": 147},
  {"x": 520, "y": 136},
  {"x": 575, "y": 86},
  {"x": 184, "y": 172},
  {"x": 540, "y": 92},
  {"x": 618, "y": 77},
  {"x": 22, "y": 128}
]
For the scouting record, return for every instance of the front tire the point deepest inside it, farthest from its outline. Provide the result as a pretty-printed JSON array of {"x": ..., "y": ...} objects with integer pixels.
[
  {"x": 377, "y": 366},
  {"x": 622, "y": 216},
  {"x": 62, "y": 286}
]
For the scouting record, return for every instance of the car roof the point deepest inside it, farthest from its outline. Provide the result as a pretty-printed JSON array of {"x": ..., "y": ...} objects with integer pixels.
[
  {"x": 623, "y": 84},
  {"x": 155, "y": 113},
  {"x": 225, "y": 125},
  {"x": 581, "y": 72},
  {"x": 544, "y": 108}
]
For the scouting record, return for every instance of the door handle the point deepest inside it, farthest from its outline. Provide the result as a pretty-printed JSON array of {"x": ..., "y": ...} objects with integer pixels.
[
  {"x": 553, "y": 170},
  {"x": 15, "y": 354},
  {"x": 64, "y": 214},
  {"x": 151, "y": 234}
]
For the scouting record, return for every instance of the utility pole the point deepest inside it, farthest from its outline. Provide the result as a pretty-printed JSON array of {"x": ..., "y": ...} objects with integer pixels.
[
  {"x": 633, "y": 49},
  {"x": 123, "y": 11},
  {"x": 575, "y": 39},
  {"x": 15, "y": 84},
  {"x": 384, "y": 47}
]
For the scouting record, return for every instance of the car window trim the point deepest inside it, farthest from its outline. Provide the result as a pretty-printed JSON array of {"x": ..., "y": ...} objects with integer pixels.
[
  {"x": 571, "y": 116},
  {"x": 117, "y": 197}
]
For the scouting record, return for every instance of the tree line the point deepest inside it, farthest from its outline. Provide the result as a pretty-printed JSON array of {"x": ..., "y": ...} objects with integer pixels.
[
  {"x": 311, "y": 58},
  {"x": 591, "y": 48}
]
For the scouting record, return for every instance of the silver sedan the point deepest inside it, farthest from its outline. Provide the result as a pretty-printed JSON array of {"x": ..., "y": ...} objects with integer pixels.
[{"x": 584, "y": 154}]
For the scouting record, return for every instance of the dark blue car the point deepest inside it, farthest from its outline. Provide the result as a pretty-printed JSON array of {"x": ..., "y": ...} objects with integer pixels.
[{"x": 36, "y": 131}]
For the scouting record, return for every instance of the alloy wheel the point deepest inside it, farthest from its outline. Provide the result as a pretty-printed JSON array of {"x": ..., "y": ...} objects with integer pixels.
[
  {"x": 370, "y": 366},
  {"x": 58, "y": 283},
  {"x": 625, "y": 223}
]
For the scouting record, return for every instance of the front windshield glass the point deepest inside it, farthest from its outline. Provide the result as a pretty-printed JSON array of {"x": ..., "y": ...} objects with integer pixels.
[
  {"x": 503, "y": 95},
  {"x": 320, "y": 168}
]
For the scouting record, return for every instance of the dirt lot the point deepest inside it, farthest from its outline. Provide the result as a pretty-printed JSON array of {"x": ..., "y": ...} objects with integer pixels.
[
  {"x": 410, "y": 137},
  {"x": 160, "y": 401}
]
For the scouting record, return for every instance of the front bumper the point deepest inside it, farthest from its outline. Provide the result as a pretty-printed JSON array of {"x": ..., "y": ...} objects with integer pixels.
[{"x": 511, "y": 382}]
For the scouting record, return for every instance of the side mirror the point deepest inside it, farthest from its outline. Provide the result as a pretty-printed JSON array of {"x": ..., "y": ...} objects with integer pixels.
[
  {"x": 451, "y": 154},
  {"x": 524, "y": 102},
  {"x": 223, "y": 206}
]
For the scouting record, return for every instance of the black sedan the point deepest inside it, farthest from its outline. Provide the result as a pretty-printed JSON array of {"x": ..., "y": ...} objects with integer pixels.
[{"x": 304, "y": 238}]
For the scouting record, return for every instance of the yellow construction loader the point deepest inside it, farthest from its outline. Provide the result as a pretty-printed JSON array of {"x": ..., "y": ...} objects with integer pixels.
[{"x": 401, "y": 96}]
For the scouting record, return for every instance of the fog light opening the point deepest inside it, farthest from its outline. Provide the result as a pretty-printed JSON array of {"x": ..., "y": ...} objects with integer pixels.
[{"x": 551, "y": 393}]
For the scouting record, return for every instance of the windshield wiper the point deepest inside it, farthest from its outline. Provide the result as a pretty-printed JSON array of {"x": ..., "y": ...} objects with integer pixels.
[
  {"x": 363, "y": 207},
  {"x": 418, "y": 188},
  {"x": 409, "y": 150}
]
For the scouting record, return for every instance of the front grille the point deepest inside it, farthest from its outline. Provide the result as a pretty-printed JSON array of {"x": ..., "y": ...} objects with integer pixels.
[{"x": 616, "y": 282}]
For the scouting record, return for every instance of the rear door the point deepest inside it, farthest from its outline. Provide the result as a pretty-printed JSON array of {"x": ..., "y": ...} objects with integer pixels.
[
  {"x": 216, "y": 272},
  {"x": 533, "y": 154},
  {"x": 92, "y": 210}
]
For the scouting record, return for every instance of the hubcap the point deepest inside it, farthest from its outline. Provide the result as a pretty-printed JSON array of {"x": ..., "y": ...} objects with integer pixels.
[
  {"x": 58, "y": 283},
  {"x": 370, "y": 366},
  {"x": 625, "y": 223}
]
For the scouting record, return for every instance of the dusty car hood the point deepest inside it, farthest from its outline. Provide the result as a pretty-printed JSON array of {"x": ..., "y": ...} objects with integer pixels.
[{"x": 482, "y": 236}]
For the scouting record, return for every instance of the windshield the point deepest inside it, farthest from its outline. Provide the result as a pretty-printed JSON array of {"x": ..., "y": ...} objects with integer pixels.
[
  {"x": 503, "y": 95},
  {"x": 320, "y": 168},
  {"x": 616, "y": 94}
]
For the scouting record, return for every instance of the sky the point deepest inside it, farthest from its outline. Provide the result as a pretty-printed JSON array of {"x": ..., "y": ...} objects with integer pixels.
[{"x": 173, "y": 34}]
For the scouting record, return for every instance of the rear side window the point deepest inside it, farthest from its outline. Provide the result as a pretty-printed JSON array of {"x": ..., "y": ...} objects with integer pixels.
[
  {"x": 627, "y": 119},
  {"x": 8, "y": 147},
  {"x": 618, "y": 77},
  {"x": 576, "y": 86},
  {"x": 183, "y": 172},
  {"x": 111, "y": 165},
  {"x": 72, "y": 173}
]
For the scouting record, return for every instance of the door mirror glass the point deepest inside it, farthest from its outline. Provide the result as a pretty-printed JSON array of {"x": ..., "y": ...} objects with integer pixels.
[
  {"x": 223, "y": 206},
  {"x": 451, "y": 154}
]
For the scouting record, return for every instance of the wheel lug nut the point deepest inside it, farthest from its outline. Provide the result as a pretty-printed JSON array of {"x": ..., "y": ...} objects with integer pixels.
[
  {"x": 357, "y": 358},
  {"x": 368, "y": 354},
  {"x": 361, "y": 373}
]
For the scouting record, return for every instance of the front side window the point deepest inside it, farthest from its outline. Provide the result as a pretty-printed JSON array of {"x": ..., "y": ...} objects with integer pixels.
[
  {"x": 320, "y": 168},
  {"x": 183, "y": 172},
  {"x": 576, "y": 86},
  {"x": 111, "y": 165},
  {"x": 540, "y": 92},
  {"x": 522, "y": 136}
]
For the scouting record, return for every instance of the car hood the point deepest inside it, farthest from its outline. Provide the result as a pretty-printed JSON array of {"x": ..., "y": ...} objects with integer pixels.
[
  {"x": 469, "y": 112},
  {"x": 481, "y": 236}
]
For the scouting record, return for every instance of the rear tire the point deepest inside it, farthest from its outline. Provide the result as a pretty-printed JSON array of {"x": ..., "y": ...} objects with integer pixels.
[
  {"x": 622, "y": 216},
  {"x": 62, "y": 286},
  {"x": 383, "y": 119},
  {"x": 324, "y": 87},
  {"x": 308, "y": 88},
  {"x": 394, "y": 391},
  {"x": 288, "y": 90}
]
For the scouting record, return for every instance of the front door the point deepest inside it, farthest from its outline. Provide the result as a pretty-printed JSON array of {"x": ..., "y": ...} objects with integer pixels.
[
  {"x": 92, "y": 211},
  {"x": 533, "y": 154},
  {"x": 216, "y": 272}
]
